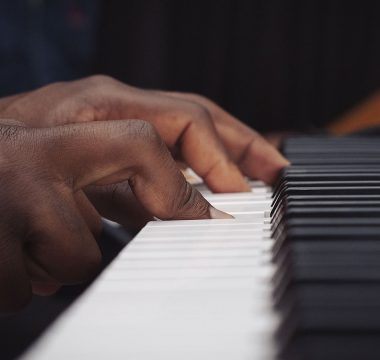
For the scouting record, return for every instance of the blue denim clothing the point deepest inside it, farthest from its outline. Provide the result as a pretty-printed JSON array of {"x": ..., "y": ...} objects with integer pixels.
[{"x": 43, "y": 41}]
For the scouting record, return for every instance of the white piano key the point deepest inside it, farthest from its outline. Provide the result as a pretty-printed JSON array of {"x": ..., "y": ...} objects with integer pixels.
[
  {"x": 180, "y": 227},
  {"x": 163, "y": 285},
  {"x": 249, "y": 215},
  {"x": 240, "y": 206},
  {"x": 212, "y": 197},
  {"x": 254, "y": 273},
  {"x": 221, "y": 223},
  {"x": 202, "y": 253},
  {"x": 258, "y": 183},
  {"x": 205, "y": 225},
  {"x": 203, "y": 233},
  {"x": 170, "y": 236},
  {"x": 190, "y": 262},
  {"x": 255, "y": 190},
  {"x": 211, "y": 243}
]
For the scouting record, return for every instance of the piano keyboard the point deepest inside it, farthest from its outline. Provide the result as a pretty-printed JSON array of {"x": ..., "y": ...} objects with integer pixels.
[
  {"x": 299, "y": 266},
  {"x": 325, "y": 215}
]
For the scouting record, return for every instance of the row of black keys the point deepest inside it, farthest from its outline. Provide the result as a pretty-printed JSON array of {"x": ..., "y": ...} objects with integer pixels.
[{"x": 326, "y": 222}]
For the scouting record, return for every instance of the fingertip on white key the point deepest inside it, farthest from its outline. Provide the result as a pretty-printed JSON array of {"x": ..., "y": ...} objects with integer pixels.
[{"x": 217, "y": 214}]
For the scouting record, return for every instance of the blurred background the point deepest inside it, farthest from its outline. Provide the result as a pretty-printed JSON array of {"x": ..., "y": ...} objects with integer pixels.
[{"x": 276, "y": 64}]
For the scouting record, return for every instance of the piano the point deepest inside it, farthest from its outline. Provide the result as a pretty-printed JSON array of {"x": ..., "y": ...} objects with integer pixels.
[{"x": 296, "y": 274}]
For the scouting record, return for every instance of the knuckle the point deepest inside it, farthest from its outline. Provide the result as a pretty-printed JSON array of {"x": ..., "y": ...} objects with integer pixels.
[
  {"x": 197, "y": 115},
  {"x": 104, "y": 86},
  {"x": 99, "y": 79},
  {"x": 200, "y": 114},
  {"x": 198, "y": 98},
  {"x": 146, "y": 132}
]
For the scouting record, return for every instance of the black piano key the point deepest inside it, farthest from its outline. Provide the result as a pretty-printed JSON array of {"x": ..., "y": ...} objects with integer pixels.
[
  {"x": 346, "y": 211},
  {"x": 338, "y": 306},
  {"x": 331, "y": 176},
  {"x": 331, "y": 190},
  {"x": 335, "y": 222},
  {"x": 315, "y": 169},
  {"x": 332, "y": 345},
  {"x": 326, "y": 222},
  {"x": 352, "y": 160},
  {"x": 319, "y": 199}
]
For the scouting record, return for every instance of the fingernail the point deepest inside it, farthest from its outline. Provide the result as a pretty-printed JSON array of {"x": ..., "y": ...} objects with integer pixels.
[
  {"x": 217, "y": 214},
  {"x": 247, "y": 188}
]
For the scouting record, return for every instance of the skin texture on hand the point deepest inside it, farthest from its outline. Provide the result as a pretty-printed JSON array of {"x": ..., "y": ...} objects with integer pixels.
[
  {"x": 197, "y": 132},
  {"x": 47, "y": 226}
]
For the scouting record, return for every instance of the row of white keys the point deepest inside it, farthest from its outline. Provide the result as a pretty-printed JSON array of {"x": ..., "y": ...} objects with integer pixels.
[{"x": 180, "y": 290}]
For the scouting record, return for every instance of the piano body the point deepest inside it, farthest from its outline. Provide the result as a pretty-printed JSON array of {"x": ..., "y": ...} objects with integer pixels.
[{"x": 296, "y": 274}]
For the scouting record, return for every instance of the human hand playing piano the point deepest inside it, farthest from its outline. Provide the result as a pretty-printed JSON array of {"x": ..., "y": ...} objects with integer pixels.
[
  {"x": 47, "y": 225},
  {"x": 218, "y": 147}
]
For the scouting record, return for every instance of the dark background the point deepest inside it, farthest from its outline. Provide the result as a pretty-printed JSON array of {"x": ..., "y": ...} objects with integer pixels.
[{"x": 276, "y": 64}]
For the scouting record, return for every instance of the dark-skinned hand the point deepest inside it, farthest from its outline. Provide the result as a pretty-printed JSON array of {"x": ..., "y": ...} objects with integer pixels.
[{"x": 216, "y": 145}]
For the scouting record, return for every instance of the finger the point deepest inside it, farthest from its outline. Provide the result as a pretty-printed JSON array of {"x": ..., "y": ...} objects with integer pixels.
[
  {"x": 186, "y": 125},
  {"x": 15, "y": 289},
  {"x": 202, "y": 149},
  {"x": 117, "y": 202},
  {"x": 255, "y": 156},
  {"x": 114, "y": 151}
]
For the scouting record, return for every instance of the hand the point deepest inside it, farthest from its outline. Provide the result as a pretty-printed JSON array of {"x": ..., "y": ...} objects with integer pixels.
[
  {"x": 44, "y": 240},
  {"x": 209, "y": 139},
  {"x": 216, "y": 145}
]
